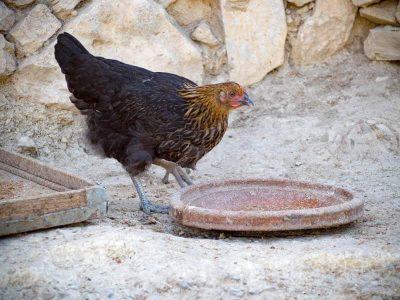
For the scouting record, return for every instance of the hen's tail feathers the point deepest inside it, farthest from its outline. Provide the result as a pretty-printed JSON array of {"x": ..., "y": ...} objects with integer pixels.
[{"x": 67, "y": 47}]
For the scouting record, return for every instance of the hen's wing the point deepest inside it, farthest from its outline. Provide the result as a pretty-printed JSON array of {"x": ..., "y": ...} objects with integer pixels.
[
  {"x": 129, "y": 92},
  {"x": 123, "y": 91}
]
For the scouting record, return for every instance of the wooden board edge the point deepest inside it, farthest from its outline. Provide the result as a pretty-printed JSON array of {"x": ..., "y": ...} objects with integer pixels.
[
  {"x": 30, "y": 177},
  {"x": 24, "y": 207},
  {"x": 43, "y": 170},
  {"x": 97, "y": 208},
  {"x": 90, "y": 197}
]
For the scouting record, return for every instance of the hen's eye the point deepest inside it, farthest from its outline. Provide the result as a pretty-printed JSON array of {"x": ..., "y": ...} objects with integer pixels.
[{"x": 231, "y": 94}]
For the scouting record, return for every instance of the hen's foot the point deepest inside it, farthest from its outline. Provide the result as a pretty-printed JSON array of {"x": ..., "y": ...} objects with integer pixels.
[
  {"x": 165, "y": 179},
  {"x": 149, "y": 207},
  {"x": 180, "y": 175},
  {"x": 145, "y": 204}
]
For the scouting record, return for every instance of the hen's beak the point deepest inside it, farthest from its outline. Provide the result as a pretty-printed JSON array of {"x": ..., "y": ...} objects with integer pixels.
[{"x": 246, "y": 100}]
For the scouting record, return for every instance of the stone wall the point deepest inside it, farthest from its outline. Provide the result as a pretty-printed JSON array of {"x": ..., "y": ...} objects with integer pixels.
[{"x": 205, "y": 40}]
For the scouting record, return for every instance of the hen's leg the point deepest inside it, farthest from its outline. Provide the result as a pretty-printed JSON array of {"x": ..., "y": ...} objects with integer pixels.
[
  {"x": 145, "y": 204},
  {"x": 181, "y": 177},
  {"x": 165, "y": 178}
]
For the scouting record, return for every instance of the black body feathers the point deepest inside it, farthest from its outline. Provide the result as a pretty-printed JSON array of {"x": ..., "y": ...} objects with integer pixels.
[{"x": 133, "y": 114}]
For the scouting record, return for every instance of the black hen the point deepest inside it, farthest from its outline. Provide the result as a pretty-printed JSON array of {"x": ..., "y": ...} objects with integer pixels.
[{"x": 141, "y": 117}]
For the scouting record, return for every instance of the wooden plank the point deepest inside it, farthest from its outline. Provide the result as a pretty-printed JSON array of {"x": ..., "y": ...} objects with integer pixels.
[
  {"x": 43, "y": 171},
  {"x": 75, "y": 199},
  {"x": 96, "y": 208},
  {"x": 33, "y": 178},
  {"x": 20, "y": 208},
  {"x": 70, "y": 216}
]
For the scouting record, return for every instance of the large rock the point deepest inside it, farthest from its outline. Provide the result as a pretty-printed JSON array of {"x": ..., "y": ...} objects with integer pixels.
[
  {"x": 7, "y": 17},
  {"x": 383, "y": 13},
  {"x": 364, "y": 3},
  {"x": 63, "y": 8},
  {"x": 383, "y": 43},
  {"x": 39, "y": 79},
  {"x": 325, "y": 32},
  {"x": 7, "y": 58},
  {"x": 134, "y": 31},
  {"x": 255, "y": 33},
  {"x": 137, "y": 32},
  {"x": 37, "y": 27},
  {"x": 201, "y": 20}
]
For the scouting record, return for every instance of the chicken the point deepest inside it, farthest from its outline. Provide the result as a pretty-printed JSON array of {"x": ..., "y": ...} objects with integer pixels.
[{"x": 141, "y": 117}]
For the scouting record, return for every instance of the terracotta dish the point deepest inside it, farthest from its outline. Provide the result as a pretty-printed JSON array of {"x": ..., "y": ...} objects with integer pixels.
[{"x": 264, "y": 205}]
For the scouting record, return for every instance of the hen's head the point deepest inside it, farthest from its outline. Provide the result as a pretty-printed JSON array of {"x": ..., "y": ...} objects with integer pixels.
[
  {"x": 233, "y": 95},
  {"x": 226, "y": 96}
]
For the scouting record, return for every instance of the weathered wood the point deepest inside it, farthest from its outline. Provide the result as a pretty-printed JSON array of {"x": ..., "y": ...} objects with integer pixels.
[
  {"x": 33, "y": 206},
  {"x": 74, "y": 199},
  {"x": 23, "y": 174},
  {"x": 50, "y": 220},
  {"x": 42, "y": 170}
]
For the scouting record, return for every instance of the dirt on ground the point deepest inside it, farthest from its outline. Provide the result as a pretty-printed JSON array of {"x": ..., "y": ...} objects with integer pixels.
[{"x": 337, "y": 123}]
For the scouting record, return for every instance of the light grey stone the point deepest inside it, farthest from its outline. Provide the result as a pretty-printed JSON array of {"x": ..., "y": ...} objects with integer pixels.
[
  {"x": 64, "y": 9},
  {"x": 27, "y": 146},
  {"x": 143, "y": 33},
  {"x": 30, "y": 33},
  {"x": 383, "y": 13},
  {"x": 7, "y": 17},
  {"x": 325, "y": 32},
  {"x": 7, "y": 58},
  {"x": 203, "y": 34},
  {"x": 188, "y": 12},
  {"x": 383, "y": 43},
  {"x": 255, "y": 34}
]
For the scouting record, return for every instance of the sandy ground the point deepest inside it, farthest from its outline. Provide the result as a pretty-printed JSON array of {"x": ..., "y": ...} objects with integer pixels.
[{"x": 337, "y": 123}]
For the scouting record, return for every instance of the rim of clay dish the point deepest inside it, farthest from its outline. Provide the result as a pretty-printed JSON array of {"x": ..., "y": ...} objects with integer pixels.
[{"x": 264, "y": 220}]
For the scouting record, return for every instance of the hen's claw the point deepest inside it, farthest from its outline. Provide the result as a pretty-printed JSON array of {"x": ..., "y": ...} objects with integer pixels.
[
  {"x": 165, "y": 179},
  {"x": 150, "y": 208},
  {"x": 180, "y": 175}
]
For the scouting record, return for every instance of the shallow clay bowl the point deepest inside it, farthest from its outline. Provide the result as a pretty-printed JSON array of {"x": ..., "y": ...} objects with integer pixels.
[{"x": 264, "y": 205}]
